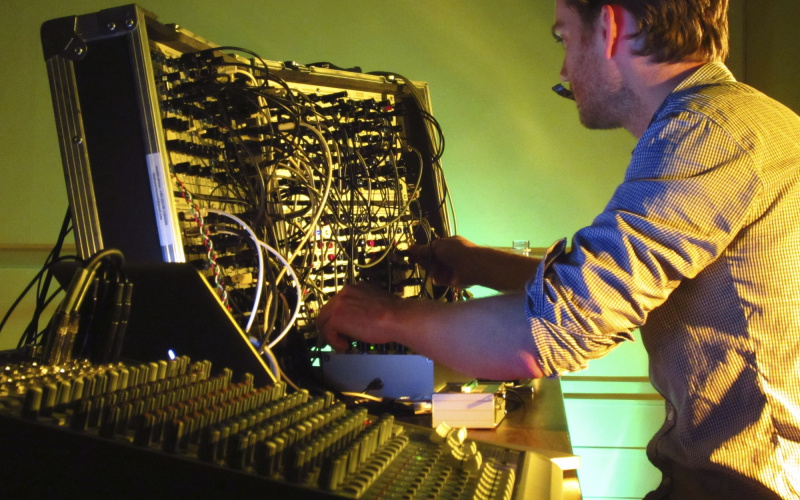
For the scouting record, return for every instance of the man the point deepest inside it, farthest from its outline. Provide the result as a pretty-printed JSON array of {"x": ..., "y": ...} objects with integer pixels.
[{"x": 698, "y": 246}]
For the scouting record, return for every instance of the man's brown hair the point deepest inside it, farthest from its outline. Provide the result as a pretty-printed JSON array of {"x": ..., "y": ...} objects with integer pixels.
[{"x": 670, "y": 30}]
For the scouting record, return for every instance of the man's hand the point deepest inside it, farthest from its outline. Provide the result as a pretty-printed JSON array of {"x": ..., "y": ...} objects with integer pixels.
[
  {"x": 448, "y": 261},
  {"x": 358, "y": 312},
  {"x": 459, "y": 263}
]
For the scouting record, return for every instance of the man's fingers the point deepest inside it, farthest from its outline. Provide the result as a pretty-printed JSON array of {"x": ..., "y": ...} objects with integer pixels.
[
  {"x": 336, "y": 313},
  {"x": 356, "y": 313},
  {"x": 339, "y": 343},
  {"x": 419, "y": 254}
]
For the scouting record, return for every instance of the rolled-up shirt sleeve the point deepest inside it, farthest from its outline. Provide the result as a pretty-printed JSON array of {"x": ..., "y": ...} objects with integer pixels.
[{"x": 680, "y": 205}]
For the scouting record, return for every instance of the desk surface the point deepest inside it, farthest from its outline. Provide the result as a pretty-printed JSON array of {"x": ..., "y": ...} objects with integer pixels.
[{"x": 539, "y": 422}]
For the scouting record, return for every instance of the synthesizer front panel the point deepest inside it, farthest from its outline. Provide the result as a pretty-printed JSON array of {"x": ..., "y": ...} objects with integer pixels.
[{"x": 279, "y": 182}]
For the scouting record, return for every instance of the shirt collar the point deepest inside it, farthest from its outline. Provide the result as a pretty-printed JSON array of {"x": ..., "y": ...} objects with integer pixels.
[{"x": 708, "y": 74}]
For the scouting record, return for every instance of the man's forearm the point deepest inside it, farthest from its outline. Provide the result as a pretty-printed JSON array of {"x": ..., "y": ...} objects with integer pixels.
[
  {"x": 487, "y": 338},
  {"x": 501, "y": 270}
]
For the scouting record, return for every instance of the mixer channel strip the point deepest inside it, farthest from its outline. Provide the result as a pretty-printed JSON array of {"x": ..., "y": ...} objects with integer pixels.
[{"x": 159, "y": 415}]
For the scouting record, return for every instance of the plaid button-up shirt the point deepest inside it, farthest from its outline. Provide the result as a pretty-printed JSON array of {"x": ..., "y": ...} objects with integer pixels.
[{"x": 700, "y": 247}]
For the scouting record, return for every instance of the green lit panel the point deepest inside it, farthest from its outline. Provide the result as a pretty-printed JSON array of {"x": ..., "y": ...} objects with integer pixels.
[
  {"x": 613, "y": 423},
  {"x": 615, "y": 473},
  {"x": 608, "y": 385}
]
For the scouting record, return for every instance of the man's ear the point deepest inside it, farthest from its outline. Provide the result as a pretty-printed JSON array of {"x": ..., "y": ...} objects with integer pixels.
[{"x": 613, "y": 27}]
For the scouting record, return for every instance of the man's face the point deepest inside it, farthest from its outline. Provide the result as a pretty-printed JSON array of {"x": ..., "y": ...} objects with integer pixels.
[{"x": 601, "y": 97}]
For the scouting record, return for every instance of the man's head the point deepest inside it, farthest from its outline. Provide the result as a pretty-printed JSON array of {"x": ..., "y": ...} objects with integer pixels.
[
  {"x": 670, "y": 30},
  {"x": 623, "y": 57}
]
